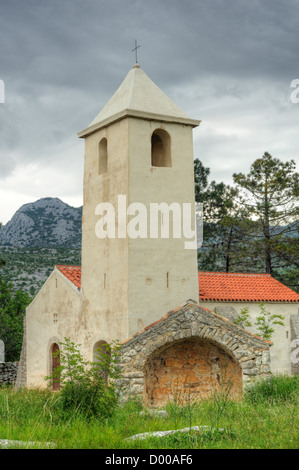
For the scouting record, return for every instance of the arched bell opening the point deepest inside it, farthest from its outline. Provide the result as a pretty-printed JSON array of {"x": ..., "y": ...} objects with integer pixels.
[
  {"x": 103, "y": 157},
  {"x": 160, "y": 148}
]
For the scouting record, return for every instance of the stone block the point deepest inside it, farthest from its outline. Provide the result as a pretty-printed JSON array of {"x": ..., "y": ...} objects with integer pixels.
[
  {"x": 252, "y": 371},
  {"x": 248, "y": 364}
]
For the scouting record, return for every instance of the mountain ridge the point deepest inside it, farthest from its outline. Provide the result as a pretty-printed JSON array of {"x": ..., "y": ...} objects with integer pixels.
[{"x": 47, "y": 222}]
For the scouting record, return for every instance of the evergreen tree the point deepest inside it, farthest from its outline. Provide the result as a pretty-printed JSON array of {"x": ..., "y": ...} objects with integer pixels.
[
  {"x": 271, "y": 191},
  {"x": 201, "y": 174},
  {"x": 12, "y": 312},
  {"x": 226, "y": 223}
]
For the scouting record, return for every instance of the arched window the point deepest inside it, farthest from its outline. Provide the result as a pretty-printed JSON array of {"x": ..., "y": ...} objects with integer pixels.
[
  {"x": 103, "y": 156},
  {"x": 161, "y": 149},
  {"x": 101, "y": 355},
  {"x": 55, "y": 363}
]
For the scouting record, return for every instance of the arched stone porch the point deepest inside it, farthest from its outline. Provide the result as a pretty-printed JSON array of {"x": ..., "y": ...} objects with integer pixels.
[{"x": 193, "y": 350}]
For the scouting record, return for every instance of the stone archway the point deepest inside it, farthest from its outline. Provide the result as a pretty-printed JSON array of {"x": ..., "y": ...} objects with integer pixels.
[
  {"x": 192, "y": 368},
  {"x": 190, "y": 334}
]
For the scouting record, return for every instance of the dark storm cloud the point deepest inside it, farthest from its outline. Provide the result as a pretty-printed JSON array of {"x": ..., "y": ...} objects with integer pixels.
[{"x": 229, "y": 63}]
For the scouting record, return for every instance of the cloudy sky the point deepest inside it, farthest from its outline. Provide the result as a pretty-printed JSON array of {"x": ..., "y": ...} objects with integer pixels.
[{"x": 229, "y": 63}]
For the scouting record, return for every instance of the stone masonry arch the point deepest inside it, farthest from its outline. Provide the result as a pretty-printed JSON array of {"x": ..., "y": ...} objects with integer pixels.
[{"x": 185, "y": 328}]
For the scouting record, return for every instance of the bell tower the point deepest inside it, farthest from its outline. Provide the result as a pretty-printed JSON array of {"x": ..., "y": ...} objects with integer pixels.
[{"x": 138, "y": 176}]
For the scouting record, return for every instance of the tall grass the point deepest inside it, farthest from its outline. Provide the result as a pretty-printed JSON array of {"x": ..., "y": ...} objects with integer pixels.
[
  {"x": 278, "y": 388},
  {"x": 256, "y": 421}
]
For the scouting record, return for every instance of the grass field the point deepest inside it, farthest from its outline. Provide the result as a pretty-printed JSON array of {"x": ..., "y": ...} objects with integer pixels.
[{"x": 267, "y": 418}]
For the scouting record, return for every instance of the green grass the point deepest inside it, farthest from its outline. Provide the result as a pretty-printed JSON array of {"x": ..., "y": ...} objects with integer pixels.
[
  {"x": 255, "y": 422},
  {"x": 278, "y": 389}
]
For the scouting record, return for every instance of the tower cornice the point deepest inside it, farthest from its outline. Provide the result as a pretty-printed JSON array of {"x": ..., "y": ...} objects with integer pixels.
[{"x": 139, "y": 115}]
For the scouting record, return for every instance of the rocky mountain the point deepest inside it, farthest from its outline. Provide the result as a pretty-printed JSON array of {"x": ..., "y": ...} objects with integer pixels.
[{"x": 48, "y": 222}]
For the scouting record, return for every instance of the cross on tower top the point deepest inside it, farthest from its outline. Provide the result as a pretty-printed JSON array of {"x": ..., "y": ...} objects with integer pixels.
[{"x": 135, "y": 49}]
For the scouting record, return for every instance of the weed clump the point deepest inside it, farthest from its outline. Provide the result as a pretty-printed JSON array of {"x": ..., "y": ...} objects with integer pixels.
[
  {"x": 278, "y": 388},
  {"x": 88, "y": 399}
]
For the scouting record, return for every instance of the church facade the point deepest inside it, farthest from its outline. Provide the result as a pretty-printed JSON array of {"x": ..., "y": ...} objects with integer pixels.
[{"x": 138, "y": 289}]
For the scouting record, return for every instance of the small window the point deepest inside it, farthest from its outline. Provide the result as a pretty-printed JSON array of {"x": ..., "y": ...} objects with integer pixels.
[
  {"x": 160, "y": 153},
  {"x": 103, "y": 156}
]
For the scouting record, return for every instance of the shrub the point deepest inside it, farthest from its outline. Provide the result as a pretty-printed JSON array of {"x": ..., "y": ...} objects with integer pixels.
[
  {"x": 278, "y": 388},
  {"x": 88, "y": 399},
  {"x": 86, "y": 386},
  {"x": 265, "y": 322}
]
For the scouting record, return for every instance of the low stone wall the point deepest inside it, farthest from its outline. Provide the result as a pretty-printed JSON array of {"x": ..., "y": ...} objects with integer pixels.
[{"x": 8, "y": 373}]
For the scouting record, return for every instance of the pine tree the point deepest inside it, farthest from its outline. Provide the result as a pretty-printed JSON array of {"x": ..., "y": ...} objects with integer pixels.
[
  {"x": 226, "y": 223},
  {"x": 271, "y": 191}
]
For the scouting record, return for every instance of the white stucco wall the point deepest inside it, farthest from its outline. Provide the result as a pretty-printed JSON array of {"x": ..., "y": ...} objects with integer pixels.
[
  {"x": 280, "y": 351},
  {"x": 50, "y": 318}
]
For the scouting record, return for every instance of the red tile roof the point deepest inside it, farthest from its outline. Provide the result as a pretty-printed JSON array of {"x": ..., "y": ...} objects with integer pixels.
[
  {"x": 72, "y": 273},
  {"x": 223, "y": 286},
  {"x": 243, "y": 287}
]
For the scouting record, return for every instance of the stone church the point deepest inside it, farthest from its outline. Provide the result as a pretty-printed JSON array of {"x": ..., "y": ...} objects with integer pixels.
[{"x": 141, "y": 290}]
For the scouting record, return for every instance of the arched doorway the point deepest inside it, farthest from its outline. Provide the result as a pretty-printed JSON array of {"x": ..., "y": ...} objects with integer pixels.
[
  {"x": 101, "y": 356},
  {"x": 193, "y": 368},
  {"x": 55, "y": 364}
]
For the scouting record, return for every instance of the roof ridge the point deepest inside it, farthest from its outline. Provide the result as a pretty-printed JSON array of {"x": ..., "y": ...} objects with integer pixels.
[
  {"x": 132, "y": 87},
  {"x": 219, "y": 273},
  {"x": 69, "y": 265}
]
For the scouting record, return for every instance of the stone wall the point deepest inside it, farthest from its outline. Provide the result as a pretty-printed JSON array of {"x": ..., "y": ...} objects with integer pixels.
[
  {"x": 190, "y": 344},
  {"x": 8, "y": 373}
]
